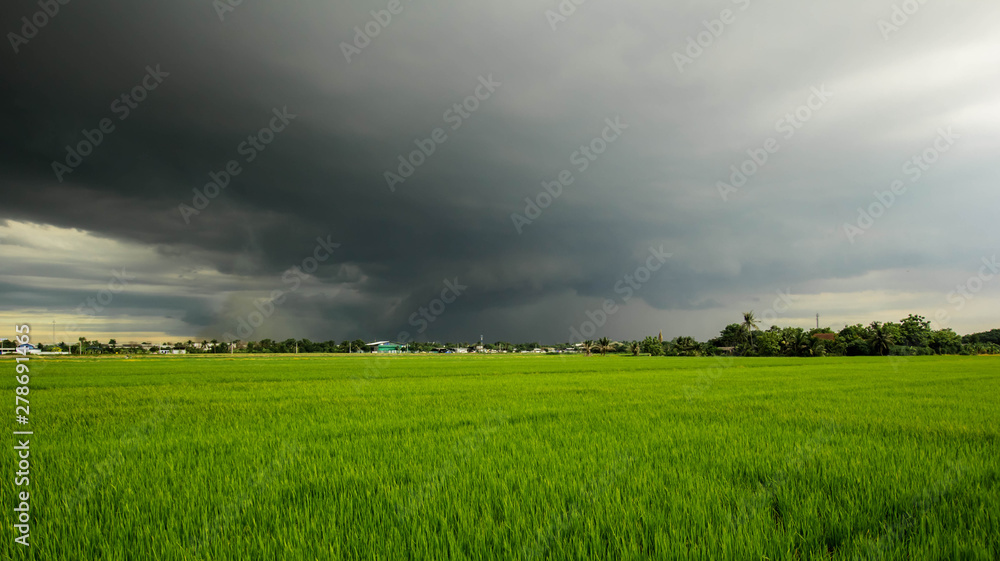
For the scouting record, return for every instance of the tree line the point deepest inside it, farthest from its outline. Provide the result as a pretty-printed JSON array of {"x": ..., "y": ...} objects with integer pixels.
[
  {"x": 85, "y": 346},
  {"x": 911, "y": 336}
]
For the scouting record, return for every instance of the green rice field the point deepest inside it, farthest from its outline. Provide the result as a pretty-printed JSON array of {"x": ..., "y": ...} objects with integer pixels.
[{"x": 507, "y": 457}]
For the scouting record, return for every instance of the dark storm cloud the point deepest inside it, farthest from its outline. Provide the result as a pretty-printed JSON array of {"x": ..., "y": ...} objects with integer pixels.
[{"x": 324, "y": 174}]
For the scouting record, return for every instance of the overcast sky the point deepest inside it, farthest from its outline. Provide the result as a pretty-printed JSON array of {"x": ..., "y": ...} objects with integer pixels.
[{"x": 652, "y": 113}]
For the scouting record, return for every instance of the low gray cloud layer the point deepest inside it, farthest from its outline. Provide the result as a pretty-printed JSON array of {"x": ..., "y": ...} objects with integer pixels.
[{"x": 838, "y": 98}]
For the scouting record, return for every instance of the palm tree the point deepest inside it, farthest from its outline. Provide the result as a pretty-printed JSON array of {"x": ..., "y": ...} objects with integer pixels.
[
  {"x": 604, "y": 345},
  {"x": 687, "y": 346},
  {"x": 635, "y": 347},
  {"x": 750, "y": 323},
  {"x": 881, "y": 338},
  {"x": 816, "y": 347},
  {"x": 795, "y": 341},
  {"x": 588, "y": 345},
  {"x": 802, "y": 344}
]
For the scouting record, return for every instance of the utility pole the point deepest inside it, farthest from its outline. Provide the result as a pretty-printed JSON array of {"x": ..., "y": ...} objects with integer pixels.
[{"x": 817, "y": 321}]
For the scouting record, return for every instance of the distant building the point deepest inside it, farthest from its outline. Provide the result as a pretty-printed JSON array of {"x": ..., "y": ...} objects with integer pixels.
[
  {"x": 386, "y": 347},
  {"x": 28, "y": 349},
  {"x": 826, "y": 336}
]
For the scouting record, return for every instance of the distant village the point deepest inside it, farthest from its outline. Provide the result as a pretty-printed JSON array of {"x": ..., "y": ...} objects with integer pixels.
[
  {"x": 911, "y": 336},
  {"x": 359, "y": 346}
]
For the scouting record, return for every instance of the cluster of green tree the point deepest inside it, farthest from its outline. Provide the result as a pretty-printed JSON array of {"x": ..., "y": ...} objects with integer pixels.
[
  {"x": 292, "y": 346},
  {"x": 911, "y": 336},
  {"x": 219, "y": 347},
  {"x": 681, "y": 346},
  {"x": 985, "y": 337},
  {"x": 85, "y": 346}
]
